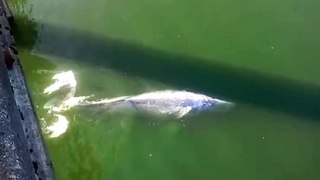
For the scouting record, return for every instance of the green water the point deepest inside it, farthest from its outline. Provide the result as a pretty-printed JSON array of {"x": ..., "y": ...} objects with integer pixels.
[{"x": 261, "y": 55}]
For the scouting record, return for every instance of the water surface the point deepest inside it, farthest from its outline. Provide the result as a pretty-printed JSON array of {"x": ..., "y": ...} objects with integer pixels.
[{"x": 261, "y": 55}]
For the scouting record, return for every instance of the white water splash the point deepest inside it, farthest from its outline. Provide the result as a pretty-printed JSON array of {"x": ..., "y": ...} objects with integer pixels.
[
  {"x": 62, "y": 80},
  {"x": 59, "y": 127},
  {"x": 65, "y": 83},
  {"x": 66, "y": 104}
]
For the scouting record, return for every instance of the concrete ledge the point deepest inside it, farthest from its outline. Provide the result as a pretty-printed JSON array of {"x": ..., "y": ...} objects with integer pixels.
[
  {"x": 15, "y": 162},
  {"x": 22, "y": 151}
]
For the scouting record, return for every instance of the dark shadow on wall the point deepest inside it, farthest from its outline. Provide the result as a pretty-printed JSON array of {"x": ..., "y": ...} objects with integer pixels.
[
  {"x": 25, "y": 31},
  {"x": 184, "y": 72}
]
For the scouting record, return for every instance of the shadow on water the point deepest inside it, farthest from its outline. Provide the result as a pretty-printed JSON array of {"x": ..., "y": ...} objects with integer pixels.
[{"x": 234, "y": 84}]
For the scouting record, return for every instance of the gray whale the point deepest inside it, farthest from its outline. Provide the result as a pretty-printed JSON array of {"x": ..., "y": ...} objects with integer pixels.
[{"x": 172, "y": 102}]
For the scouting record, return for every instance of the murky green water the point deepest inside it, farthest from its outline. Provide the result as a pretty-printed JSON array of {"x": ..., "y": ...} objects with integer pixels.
[{"x": 262, "y": 55}]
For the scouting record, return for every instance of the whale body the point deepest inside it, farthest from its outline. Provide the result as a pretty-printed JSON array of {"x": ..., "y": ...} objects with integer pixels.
[{"x": 172, "y": 102}]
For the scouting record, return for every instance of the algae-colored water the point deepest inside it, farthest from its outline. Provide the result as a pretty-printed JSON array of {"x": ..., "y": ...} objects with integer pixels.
[{"x": 261, "y": 55}]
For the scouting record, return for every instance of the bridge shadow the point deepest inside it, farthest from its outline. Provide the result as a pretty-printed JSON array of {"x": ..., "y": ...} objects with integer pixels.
[{"x": 235, "y": 84}]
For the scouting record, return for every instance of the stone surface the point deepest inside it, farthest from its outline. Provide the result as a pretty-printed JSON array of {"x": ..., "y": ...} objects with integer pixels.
[{"x": 22, "y": 151}]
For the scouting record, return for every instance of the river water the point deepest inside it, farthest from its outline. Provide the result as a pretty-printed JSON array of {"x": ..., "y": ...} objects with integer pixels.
[{"x": 261, "y": 55}]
